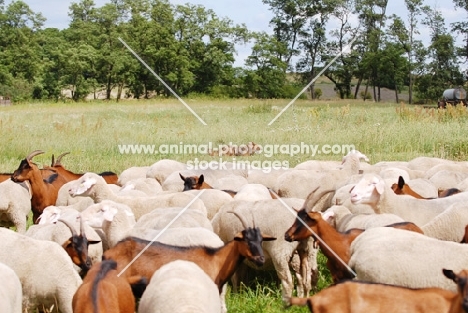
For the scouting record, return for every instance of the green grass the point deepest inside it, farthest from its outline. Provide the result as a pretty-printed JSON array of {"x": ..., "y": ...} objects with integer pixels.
[{"x": 92, "y": 132}]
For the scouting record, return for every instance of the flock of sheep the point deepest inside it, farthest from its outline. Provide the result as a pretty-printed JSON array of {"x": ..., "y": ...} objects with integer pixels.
[{"x": 174, "y": 237}]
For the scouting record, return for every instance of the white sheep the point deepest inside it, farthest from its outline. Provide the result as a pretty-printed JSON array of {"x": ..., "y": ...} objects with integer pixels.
[
  {"x": 445, "y": 179},
  {"x": 425, "y": 163},
  {"x": 45, "y": 270},
  {"x": 65, "y": 199},
  {"x": 180, "y": 286},
  {"x": 318, "y": 187},
  {"x": 450, "y": 224},
  {"x": 115, "y": 220},
  {"x": 163, "y": 168},
  {"x": 230, "y": 182},
  {"x": 456, "y": 167},
  {"x": 394, "y": 256},
  {"x": 15, "y": 204},
  {"x": 373, "y": 190},
  {"x": 10, "y": 290},
  {"x": 272, "y": 217},
  {"x": 179, "y": 236},
  {"x": 253, "y": 192},
  {"x": 341, "y": 218},
  {"x": 149, "y": 186},
  {"x": 159, "y": 219},
  {"x": 212, "y": 198},
  {"x": 268, "y": 179},
  {"x": 131, "y": 173},
  {"x": 94, "y": 186}
]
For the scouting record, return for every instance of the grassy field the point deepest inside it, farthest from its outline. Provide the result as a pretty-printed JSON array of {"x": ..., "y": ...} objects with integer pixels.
[{"x": 93, "y": 131}]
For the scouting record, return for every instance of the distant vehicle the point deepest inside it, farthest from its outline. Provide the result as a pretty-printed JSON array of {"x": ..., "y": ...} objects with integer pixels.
[{"x": 452, "y": 96}]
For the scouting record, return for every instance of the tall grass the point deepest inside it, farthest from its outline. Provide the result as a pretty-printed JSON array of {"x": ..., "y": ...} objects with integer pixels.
[{"x": 92, "y": 132}]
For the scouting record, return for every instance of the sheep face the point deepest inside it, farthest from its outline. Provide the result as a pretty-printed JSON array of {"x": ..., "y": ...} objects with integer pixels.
[
  {"x": 304, "y": 223},
  {"x": 368, "y": 190},
  {"x": 82, "y": 186},
  {"x": 251, "y": 244}
]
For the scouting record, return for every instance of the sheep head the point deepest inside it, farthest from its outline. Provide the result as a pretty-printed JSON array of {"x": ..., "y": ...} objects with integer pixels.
[
  {"x": 83, "y": 185},
  {"x": 368, "y": 190}
]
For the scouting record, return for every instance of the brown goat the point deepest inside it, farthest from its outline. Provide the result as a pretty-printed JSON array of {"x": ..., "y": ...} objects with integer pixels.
[
  {"x": 198, "y": 183},
  {"x": 103, "y": 291},
  {"x": 334, "y": 245},
  {"x": 44, "y": 192},
  {"x": 353, "y": 296},
  {"x": 218, "y": 263},
  {"x": 109, "y": 177},
  {"x": 77, "y": 247},
  {"x": 401, "y": 188}
]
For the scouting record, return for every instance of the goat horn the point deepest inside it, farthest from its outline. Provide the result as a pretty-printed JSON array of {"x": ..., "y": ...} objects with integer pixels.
[
  {"x": 33, "y": 154},
  {"x": 244, "y": 223},
  {"x": 72, "y": 228},
  {"x": 82, "y": 229},
  {"x": 59, "y": 159}
]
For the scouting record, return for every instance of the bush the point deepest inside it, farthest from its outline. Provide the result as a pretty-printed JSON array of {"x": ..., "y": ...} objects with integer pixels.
[
  {"x": 317, "y": 93},
  {"x": 365, "y": 95}
]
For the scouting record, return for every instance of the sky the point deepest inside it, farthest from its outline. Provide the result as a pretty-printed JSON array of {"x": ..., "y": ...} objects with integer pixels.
[{"x": 253, "y": 13}]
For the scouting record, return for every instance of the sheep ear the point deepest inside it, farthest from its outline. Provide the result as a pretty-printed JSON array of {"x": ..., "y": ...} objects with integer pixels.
[
  {"x": 109, "y": 213},
  {"x": 380, "y": 186},
  {"x": 328, "y": 216},
  {"x": 85, "y": 185},
  {"x": 352, "y": 188},
  {"x": 449, "y": 274}
]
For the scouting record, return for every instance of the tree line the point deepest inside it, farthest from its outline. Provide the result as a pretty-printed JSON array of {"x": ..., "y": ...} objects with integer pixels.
[{"x": 193, "y": 50}]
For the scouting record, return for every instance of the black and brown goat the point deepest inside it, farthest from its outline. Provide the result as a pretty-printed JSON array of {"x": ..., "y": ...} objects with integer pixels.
[
  {"x": 198, "y": 183},
  {"x": 43, "y": 192},
  {"x": 218, "y": 263},
  {"x": 77, "y": 247},
  {"x": 56, "y": 165}
]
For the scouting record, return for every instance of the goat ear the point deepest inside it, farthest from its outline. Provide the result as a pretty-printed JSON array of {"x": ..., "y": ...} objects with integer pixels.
[
  {"x": 93, "y": 242},
  {"x": 401, "y": 182},
  {"x": 68, "y": 243},
  {"x": 182, "y": 177},
  {"x": 449, "y": 274},
  {"x": 239, "y": 237},
  {"x": 268, "y": 237},
  {"x": 201, "y": 179}
]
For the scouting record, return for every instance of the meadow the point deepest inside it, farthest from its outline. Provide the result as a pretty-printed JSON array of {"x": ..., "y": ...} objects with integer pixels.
[{"x": 93, "y": 131}]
